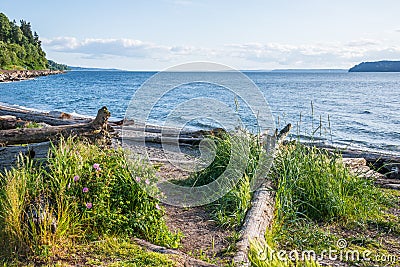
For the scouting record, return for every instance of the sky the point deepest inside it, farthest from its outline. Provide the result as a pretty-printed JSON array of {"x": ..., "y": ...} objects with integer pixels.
[{"x": 254, "y": 34}]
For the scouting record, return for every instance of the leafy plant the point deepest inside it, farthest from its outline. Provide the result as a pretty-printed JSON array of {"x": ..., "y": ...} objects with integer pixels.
[{"x": 82, "y": 193}]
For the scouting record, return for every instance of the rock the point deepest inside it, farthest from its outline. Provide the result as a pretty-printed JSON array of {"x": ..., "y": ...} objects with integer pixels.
[{"x": 19, "y": 75}]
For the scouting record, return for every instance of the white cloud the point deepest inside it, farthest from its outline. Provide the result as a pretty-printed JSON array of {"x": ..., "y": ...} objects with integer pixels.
[{"x": 317, "y": 55}]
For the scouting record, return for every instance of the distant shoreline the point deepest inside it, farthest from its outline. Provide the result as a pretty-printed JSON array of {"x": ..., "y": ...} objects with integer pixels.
[{"x": 20, "y": 75}]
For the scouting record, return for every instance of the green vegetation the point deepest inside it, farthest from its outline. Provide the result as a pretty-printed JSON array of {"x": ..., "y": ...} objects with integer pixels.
[
  {"x": 82, "y": 194},
  {"x": 263, "y": 254},
  {"x": 317, "y": 199},
  {"x": 315, "y": 185},
  {"x": 230, "y": 210},
  {"x": 19, "y": 47},
  {"x": 56, "y": 66},
  {"x": 114, "y": 251}
]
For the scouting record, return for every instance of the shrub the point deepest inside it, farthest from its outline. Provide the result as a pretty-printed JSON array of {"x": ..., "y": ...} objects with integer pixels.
[{"x": 81, "y": 192}]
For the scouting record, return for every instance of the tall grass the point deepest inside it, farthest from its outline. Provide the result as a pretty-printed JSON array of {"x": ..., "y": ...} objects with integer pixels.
[
  {"x": 315, "y": 185},
  {"x": 81, "y": 193},
  {"x": 313, "y": 188},
  {"x": 230, "y": 210}
]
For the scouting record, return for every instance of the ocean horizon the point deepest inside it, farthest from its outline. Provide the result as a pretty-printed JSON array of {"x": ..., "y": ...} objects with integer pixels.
[{"x": 355, "y": 110}]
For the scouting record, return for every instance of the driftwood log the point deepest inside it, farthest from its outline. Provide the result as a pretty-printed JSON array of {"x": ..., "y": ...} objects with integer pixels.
[
  {"x": 188, "y": 261},
  {"x": 9, "y": 154},
  {"x": 51, "y": 118},
  {"x": 261, "y": 214},
  {"x": 94, "y": 130}
]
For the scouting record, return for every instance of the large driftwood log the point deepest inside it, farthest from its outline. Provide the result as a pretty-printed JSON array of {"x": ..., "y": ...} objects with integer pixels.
[
  {"x": 261, "y": 214},
  {"x": 188, "y": 261},
  {"x": 96, "y": 129},
  {"x": 9, "y": 155},
  {"x": 52, "y": 118}
]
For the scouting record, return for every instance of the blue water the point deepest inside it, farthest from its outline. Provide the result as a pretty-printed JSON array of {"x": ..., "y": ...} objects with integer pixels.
[{"x": 363, "y": 108}]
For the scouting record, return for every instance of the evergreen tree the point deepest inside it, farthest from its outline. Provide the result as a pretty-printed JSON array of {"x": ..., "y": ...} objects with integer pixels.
[
  {"x": 5, "y": 28},
  {"x": 19, "y": 47}
]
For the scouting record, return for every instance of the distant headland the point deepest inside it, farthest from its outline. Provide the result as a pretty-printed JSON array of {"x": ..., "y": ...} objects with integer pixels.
[{"x": 378, "y": 66}]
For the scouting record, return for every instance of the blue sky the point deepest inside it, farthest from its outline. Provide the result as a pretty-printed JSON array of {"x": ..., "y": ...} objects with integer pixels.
[{"x": 254, "y": 34}]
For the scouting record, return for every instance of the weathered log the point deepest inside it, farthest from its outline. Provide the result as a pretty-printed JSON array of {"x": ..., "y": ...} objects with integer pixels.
[
  {"x": 96, "y": 129},
  {"x": 261, "y": 214},
  {"x": 8, "y": 122},
  {"x": 173, "y": 132},
  {"x": 163, "y": 140},
  {"x": 9, "y": 155},
  {"x": 188, "y": 261},
  {"x": 53, "y": 119},
  {"x": 358, "y": 166}
]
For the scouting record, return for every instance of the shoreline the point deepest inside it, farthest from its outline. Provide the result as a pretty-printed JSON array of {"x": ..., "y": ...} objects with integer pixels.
[
  {"x": 7, "y": 109},
  {"x": 21, "y": 75}
]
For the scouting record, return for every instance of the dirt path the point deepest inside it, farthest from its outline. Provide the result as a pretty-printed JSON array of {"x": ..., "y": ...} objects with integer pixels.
[{"x": 203, "y": 238}]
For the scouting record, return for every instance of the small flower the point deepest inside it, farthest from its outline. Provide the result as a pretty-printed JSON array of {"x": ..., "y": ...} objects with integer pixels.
[
  {"x": 96, "y": 166},
  {"x": 85, "y": 190},
  {"x": 158, "y": 207},
  {"x": 76, "y": 178},
  {"x": 147, "y": 181},
  {"x": 137, "y": 179},
  {"x": 89, "y": 205},
  {"x": 69, "y": 186}
]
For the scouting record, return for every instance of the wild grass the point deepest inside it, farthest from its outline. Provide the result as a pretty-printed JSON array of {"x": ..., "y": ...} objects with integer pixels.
[
  {"x": 315, "y": 185},
  {"x": 230, "y": 210},
  {"x": 81, "y": 194},
  {"x": 316, "y": 192}
]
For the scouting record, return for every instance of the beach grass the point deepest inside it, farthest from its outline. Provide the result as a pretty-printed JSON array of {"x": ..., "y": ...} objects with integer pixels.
[
  {"x": 230, "y": 210},
  {"x": 317, "y": 200}
]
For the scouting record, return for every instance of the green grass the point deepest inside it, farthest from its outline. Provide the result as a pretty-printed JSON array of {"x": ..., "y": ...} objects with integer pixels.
[
  {"x": 230, "y": 210},
  {"x": 114, "y": 251},
  {"x": 317, "y": 198},
  {"x": 30, "y": 125},
  {"x": 263, "y": 254},
  {"x": 81, "y": 194}
]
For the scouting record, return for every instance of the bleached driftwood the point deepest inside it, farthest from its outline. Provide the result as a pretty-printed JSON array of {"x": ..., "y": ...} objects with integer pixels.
[
  {"x": 261, "y": 214},
  {"x": 52, "y": 118},
  {"x": 188, "y": 261},
  {"x": 92, "y": 130}
]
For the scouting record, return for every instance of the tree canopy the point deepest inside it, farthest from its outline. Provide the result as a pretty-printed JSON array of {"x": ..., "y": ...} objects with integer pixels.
[{"x": 19, "y": 47}]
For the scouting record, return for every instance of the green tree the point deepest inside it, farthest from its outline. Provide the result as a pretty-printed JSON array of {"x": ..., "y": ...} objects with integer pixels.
[
  {"x": 16, "y": 33},
  {"x": 27, "y": 31},
  {"x": 5, "y": 28},
  {"x": 19, "y": 47}
]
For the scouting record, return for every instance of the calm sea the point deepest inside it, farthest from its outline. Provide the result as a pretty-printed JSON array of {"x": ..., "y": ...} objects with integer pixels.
[{"x": 353, "y": 109}]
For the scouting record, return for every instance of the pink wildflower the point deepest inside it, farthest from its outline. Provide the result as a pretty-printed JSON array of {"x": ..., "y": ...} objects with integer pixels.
[
  {"x": 69, "y": 185},
  {"x": 147, "y": 181},
  {"x": 96, "y": 166},
  {"x": 85, "y": 190},
  {"x": 158, "y": 207},
  {"x": 137, "y": 179},
  {"x": 76, "y": 178},
  {"x": 89, "y": 205}
]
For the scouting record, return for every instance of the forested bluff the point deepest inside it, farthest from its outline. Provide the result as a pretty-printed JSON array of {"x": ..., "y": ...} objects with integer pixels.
[{"x": 21, "y": 48}]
